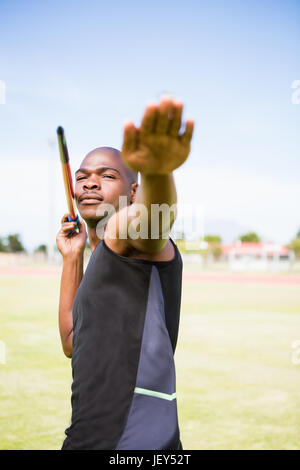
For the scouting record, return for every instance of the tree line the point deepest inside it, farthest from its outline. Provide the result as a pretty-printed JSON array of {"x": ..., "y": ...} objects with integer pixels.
[
  {"x": 212, "y": 245},
  {"x": 12, "y": 243}
]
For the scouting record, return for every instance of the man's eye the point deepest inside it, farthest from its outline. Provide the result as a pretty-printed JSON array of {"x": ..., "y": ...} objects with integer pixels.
[
  {"x": 109, "y": 176},
  {"x": 80, "y": 178}
]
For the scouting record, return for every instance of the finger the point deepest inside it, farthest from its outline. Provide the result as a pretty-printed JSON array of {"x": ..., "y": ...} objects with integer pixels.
[
  {"x": 129, "y": 137},
  {"x": 175, "y": 122},
  {"x": 188, "y": 133},
  {"x": 67, "y": 226},
  {"x": 149, "y": 119},
  {"x": 64, "y": 218},
  {"x": 164, "y": 114}
]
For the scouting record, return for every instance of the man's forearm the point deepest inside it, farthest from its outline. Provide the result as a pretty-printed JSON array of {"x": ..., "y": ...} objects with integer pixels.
[
  {"x": 71, "y": 277},
  {"x": 157, "y": 197},
  {"x": 156, "y": 189}
]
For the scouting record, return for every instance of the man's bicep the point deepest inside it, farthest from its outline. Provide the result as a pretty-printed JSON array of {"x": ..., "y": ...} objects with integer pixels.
[{"x": 131, "y": 230}]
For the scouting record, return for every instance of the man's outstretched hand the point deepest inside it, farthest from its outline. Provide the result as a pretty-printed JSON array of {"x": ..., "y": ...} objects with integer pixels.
[{"x": 157, "y": 147}]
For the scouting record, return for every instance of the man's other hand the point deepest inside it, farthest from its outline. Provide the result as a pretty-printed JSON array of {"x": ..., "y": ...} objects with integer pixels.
[{"x": 157, "y": 147}]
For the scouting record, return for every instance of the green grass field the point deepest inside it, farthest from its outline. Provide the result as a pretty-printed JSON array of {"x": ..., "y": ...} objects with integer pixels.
[{"x": 237, "y": 386}]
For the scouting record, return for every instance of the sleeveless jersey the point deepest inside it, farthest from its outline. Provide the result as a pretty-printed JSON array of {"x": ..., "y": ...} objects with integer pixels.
[{"x": 125, "y": 327}]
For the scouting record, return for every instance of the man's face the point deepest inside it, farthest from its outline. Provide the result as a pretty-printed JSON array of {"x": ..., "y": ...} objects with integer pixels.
[{"x": 101, "y": 179}]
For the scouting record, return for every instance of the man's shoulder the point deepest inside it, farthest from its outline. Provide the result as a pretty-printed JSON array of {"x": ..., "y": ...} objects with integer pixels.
[{"x": 168, "y": 252}]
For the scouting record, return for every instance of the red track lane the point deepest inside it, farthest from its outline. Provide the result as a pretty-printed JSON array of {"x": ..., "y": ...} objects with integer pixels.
[
  {"x": 267, "y": 278},
  {"x": 28, "y": 271},
  {"x": 290, "y": 279}
]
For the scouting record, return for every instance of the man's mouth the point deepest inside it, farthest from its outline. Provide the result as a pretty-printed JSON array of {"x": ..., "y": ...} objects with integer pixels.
[{"x": 90, "y": 199}]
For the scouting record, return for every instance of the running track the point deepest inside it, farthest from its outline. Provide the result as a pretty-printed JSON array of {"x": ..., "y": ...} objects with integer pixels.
[{"x": 258, "y": 278}]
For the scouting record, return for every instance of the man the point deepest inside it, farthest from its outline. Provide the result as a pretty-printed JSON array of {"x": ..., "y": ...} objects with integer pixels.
[{"x": 119, "y": 321}]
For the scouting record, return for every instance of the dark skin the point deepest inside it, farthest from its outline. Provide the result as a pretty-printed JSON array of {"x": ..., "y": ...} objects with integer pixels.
[
  {"x": 102, "y": 174},
  {"x": 154, "y": 150}
]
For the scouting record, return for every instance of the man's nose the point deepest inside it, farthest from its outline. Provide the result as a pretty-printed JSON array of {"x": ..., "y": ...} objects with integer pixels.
[{"x": 92, "y": 183}]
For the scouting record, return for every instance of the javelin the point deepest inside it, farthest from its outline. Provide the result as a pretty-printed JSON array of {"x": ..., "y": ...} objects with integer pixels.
[{"x": 64, "y": 157}]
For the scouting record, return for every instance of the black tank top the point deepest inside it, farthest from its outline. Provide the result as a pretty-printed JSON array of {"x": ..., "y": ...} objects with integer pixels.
[{"x": 125, "y": 327}]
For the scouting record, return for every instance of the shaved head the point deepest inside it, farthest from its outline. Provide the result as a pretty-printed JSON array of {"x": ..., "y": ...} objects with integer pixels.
[
  {"x": 101, "y": 179},
  {"x": 131, "y": 176}
]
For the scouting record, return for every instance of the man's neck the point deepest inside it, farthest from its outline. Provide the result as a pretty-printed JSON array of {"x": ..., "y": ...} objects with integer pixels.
[{"x": 93, "y": 238}]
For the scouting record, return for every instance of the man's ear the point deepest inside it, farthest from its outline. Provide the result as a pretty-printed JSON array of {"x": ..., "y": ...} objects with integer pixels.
[{"x": 133, "y": 188}]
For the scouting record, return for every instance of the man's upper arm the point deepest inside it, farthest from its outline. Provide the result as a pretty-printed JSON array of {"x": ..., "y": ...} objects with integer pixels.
[{"x": 125, "y": 234}]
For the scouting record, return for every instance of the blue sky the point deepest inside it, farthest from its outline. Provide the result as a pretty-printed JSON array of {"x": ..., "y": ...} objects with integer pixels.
[{"x": 88, "y": 66}]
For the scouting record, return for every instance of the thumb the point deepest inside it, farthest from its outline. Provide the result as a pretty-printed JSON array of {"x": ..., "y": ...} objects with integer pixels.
[{"x": 81, "y": 226}]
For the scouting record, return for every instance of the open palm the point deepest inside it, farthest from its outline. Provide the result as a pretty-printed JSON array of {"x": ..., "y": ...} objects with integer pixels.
[{"x": 157, "y": 147}]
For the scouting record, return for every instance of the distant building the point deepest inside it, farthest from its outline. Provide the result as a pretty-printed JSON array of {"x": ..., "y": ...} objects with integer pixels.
[{"x": 257, "y": 256}]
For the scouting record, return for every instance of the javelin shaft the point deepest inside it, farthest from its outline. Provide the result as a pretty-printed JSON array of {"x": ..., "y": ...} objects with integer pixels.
[{"x": 67, "y": 176}]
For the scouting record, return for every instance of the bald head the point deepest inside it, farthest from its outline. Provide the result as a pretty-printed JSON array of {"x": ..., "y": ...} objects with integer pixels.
[
  {"x": 115, "y": 157},
  {"x": 101, "y": 179}
]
